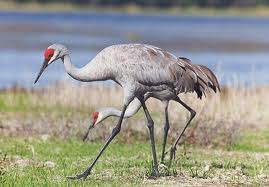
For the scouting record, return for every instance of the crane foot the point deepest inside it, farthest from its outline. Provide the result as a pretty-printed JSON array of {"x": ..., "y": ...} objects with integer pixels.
[
  {"x": 172, "y": 154},
  {"x": 156, "y": 172},
  {"x": 154, "y": 175},
  {"x": 78, "y": 177}
]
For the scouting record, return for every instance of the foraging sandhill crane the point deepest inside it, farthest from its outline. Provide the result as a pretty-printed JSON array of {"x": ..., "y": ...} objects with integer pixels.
[
  {"x": 139, "y": 69},
  {"x": 102, "y": 113}
]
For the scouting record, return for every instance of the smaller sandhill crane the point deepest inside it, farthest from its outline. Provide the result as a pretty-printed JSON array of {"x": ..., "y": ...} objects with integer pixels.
[
  {"x": 138, "y": 69},
  {"x": 102, "y": 113}
]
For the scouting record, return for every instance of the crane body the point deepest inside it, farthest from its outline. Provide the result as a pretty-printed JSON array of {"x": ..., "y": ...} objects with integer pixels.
[
  {"x": 138, "y": 69},
  {"x": 164, "y": 96}
]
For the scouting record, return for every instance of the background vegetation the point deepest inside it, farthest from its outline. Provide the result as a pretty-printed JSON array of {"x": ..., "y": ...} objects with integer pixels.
[
  {"x": 41, "y": 132},
  {"x": 160, "y": 3},
  {"x": 192, "y": 7}
]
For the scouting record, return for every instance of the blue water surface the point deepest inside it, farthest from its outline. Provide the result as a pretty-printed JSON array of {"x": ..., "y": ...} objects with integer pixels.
[{"x": 235, "y": 48}]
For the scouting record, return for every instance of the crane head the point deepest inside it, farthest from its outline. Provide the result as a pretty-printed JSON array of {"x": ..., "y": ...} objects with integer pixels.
[
  {"x": 97, "y": 117},
  {"x": 94, "y": 117},
  {"x": 52, "y": 53}
]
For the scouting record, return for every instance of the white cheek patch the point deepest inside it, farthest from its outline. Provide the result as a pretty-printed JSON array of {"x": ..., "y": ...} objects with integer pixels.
[
  {"x": 53, "y": 57},
  {"x": 99, "y": 119}
]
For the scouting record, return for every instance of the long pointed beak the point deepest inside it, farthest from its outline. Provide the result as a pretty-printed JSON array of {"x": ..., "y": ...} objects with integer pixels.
[
  {"x": 43, "y": 67},
  {"x": 86, "y": 135}
]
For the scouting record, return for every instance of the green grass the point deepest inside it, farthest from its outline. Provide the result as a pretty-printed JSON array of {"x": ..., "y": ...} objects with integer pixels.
[
  {"x": 20, "y": 102},
  {"x": 252, "y": 141},
  {"x": 23, "y": 103},
  {"x": 127, "y": 161},
  {"x": 71, "y": 157},
  {"x": 22, "y": 163}
]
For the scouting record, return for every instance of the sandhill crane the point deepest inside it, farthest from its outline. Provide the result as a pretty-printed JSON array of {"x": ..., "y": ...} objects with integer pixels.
[
  {"x": 102, "y": 113},
  {"x": 139, "y": 69}
]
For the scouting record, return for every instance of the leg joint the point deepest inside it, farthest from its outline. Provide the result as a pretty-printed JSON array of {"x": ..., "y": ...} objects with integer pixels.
[
  {"x": 166, "y": 127},
  {"x": 116, "y": 130},
  {"x": 193, "y": 113},
  {"x": 150, "y": 123}
]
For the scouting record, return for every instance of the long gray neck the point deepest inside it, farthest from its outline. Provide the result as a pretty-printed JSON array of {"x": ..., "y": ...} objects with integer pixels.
[
  {"x": 88, "y": 73},
  {"x": 131, "y": 110}
]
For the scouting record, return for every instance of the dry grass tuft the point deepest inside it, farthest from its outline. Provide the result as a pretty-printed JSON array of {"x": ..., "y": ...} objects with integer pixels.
[{"x": 63, "y": 110}]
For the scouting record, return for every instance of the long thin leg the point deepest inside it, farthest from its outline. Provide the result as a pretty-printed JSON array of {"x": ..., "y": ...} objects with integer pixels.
[
  {"x": 115, "y": 131},
  {"x": 151, "y": 132},
  {"x": 193, "y": 113},
  {"x": 165, "y": 131}
]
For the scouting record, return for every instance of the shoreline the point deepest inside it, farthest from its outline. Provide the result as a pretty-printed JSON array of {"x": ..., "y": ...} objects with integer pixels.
[{"x": 258, "y": 11}]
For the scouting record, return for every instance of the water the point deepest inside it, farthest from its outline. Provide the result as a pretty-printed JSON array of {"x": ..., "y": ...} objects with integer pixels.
[{"x": 235, "y": 48}]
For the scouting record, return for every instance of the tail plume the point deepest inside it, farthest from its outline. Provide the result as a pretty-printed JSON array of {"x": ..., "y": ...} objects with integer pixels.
[
  {"x": 205, "y": 77},
  {"x": 214, "y": 81}
]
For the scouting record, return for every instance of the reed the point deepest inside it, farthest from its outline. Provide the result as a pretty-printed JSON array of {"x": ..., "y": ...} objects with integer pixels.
[{"x": 64, "y": 110}]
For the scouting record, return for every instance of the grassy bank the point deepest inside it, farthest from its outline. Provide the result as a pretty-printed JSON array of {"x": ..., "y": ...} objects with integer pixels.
[
  {"x": 47, "y": 162},
  {"x": 41, "y": 131},
  {"x": 193, "y": 10}
]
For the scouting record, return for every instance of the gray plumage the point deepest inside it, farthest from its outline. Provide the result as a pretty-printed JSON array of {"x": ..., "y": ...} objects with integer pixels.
[
  {"x": 142, "y": 70},
  {"x": 202, "y": 79},
  {"x": 138, "y": 68}
]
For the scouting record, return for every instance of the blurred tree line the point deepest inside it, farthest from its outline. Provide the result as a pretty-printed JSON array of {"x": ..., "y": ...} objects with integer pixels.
[{"x": 160, "y": 3}]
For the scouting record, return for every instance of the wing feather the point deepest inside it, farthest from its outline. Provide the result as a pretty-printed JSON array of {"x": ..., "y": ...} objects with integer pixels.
[
  {"x": 204, "y": 77},
  {"x": 154, "y": 67}
]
